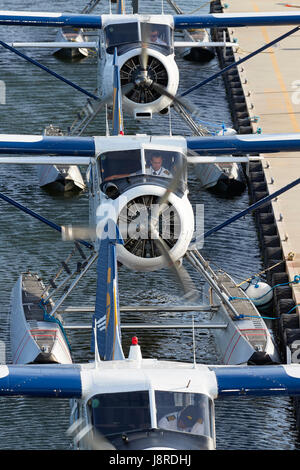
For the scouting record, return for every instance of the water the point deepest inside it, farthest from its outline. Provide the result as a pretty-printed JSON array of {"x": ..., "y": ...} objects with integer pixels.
[{"x": 33, "y": 101}]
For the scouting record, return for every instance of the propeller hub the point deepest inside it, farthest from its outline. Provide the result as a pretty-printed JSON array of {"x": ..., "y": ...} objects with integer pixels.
[{"x": 143, "y": 79}]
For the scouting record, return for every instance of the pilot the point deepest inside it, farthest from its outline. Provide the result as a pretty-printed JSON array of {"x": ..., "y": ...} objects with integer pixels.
[
  {"x": 186, "y": 420},
  {"x": 154, "y": 38},
  {"x": 156, "y": 168}
]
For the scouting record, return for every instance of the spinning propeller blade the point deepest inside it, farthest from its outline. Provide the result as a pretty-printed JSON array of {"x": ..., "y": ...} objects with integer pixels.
[
  {"x": 181, "y": 274},
  {"x": 88, "y": 437},
  {"x": 117, "y": 119},
  {"x": 135, "y": 6}
]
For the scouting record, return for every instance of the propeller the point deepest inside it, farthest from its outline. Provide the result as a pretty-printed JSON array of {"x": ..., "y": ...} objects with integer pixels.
[
  {"x": 135, "y": 6},
  {"x": 143, "y": 70},
  {"x": 181, "y": 274},
  {"x": 88, "y": 436}
]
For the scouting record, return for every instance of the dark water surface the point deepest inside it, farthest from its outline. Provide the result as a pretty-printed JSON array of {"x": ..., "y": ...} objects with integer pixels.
[{"x": 34, "y": 100}]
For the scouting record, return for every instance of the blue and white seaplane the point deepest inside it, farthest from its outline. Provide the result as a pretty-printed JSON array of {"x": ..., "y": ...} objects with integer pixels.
[
  {"x": 134, "y": 403},
  {"x": 148, "y": 72}
]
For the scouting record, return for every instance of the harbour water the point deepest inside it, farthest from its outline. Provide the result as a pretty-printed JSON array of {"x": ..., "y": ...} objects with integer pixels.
[{"x": 33, "y": 101}]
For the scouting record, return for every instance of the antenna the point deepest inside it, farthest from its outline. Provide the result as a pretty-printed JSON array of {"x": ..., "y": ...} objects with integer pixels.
[
  {"x": 170, "y": 123},
  {"x": 97, "y": 357},
  {"x": 106, "y": 121},
  {"x": 194, "y": 344}
]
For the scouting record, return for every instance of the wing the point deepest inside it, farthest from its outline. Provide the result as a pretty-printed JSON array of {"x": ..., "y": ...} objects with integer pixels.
[
  {"x": 59, "y": 149},
  {"x": 53, "y": 381},
  {"x": 258, "y": 381},
  {"x": 24, "y": 18},
  {"x": 236, "y": 20},
  {"x": 237, "y": 144}
]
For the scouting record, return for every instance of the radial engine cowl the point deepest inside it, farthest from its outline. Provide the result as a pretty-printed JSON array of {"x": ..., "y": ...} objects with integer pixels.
[
  {"x": 160, "y": 69},
  {"x": 141, "y": 219}
]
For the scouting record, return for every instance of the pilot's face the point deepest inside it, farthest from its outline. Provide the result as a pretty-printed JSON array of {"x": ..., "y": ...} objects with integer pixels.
[
  {"x": 153, "y": 36},
  {"x": 156, "y": 163}
]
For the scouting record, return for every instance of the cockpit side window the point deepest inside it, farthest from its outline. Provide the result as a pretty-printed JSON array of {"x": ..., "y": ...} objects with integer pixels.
[
  {"x": 115, "y": 413},
  {"x": 120, "y": 164},
  {"x": 184, "y": 412}
]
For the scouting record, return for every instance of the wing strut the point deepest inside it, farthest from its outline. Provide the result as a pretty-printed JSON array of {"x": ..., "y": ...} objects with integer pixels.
[{"x": 235, "y": 64}]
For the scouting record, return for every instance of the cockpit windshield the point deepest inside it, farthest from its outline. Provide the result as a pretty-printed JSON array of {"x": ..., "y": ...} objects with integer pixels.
[
  {"x": 115, "y": 165},
  {"x": 156, "y": 34},
  {"x": 117, "y": 34},
  {"x": 184, "y": 412},
  {"x": 163, "y": 163},
  {"x": 121, "y": 34},
  {"x": 115, "y": 413},
  {"x": 128, "y": 163}
]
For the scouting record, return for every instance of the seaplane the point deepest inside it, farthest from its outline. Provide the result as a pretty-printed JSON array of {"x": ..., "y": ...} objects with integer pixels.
[
  {"x": 134, "y": 403},
  {"x": 141, "y": 182},
  {"x": 148, "y": 71},
  {"x": 109, "y": 180}
]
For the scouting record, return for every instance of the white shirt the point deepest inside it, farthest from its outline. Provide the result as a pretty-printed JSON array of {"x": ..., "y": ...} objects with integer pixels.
[
  {"x": 159, "y": 41},
  {"x": 170, "y": 423},
  {"x": 161, "y": 172}
]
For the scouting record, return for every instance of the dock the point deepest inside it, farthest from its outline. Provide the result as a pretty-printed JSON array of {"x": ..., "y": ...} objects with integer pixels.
[{"x": 271, "y": 85}]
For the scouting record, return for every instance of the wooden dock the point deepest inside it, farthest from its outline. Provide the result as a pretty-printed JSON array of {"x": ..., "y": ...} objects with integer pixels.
[{"x": 273, "y": 80}]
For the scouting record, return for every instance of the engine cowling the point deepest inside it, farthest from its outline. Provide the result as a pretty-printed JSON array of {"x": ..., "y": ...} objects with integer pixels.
[
  {"x": 140, "y": 219},
  {"x": 143, "y": 100}
]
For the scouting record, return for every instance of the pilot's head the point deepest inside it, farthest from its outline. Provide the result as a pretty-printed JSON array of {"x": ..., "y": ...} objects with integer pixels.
[
  {"x": 156, "y": 162},
  {"x": 188, "y": 417},
  {"x": 154, "y": 35}
]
